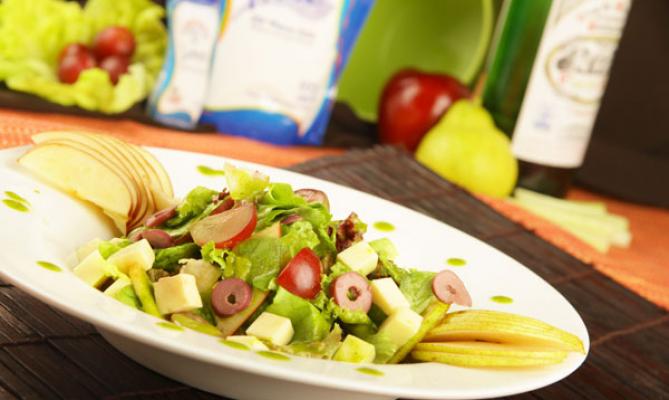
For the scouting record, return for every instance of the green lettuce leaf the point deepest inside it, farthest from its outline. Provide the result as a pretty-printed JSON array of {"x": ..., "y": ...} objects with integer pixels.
[
  {"x": 336, "y": 270},
  {"x": 324, "y": 349},
  {"x": 127, "y": 296},
  {"x": 384, "y": 248},
  {"x": 32, "y": 34},
  {"x": 168, "y": 258},
  {"x": 267, "y": 257},
  {"x": 384, "y": 347},
  {"x": 110, "y": 247},
  {"x": 243, "y": 184},
  {"x": 192, "y": 206},
  {"x": 299, "y": 235},
  {"x": 414, "y": 284},
  {"x": 232, "y": 264},
  {"x": 417, "y": 288},
  {"x": 348, "y": 316},
  {"x": 310, "y": 323},
  {"x": 280, "y": 202}
]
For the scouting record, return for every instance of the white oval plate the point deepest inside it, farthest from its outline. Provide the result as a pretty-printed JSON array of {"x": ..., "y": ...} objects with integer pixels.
[{"x": 57, "y": 224}]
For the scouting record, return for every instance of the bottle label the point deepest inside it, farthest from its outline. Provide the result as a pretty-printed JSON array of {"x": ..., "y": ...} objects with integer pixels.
[
  {"x": 567, "y": 82},
  {"x": 193, "y": 30},
  {"x": 276, "y": 56}
]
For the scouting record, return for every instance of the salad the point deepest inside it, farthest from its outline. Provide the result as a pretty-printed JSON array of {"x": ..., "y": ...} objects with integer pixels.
[{"x": 266, "y": 266}]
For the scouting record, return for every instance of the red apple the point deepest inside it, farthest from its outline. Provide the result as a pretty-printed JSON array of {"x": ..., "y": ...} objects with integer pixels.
[{"x": 412, "y": 102}]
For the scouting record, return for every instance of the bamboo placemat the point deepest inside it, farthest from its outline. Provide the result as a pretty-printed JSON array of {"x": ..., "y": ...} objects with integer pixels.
[{"x": 47, "y": 355}]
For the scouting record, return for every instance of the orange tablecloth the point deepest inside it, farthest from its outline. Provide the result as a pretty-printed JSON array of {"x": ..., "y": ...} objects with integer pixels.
[{"x": 644, "y": 267}]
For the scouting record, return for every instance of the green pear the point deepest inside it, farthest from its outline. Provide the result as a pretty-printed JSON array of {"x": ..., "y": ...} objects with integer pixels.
[{"x": 466, "y": 148}]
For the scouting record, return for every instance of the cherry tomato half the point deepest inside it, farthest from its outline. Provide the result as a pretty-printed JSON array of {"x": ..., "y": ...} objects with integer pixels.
[{"x": 302, "y": 274}]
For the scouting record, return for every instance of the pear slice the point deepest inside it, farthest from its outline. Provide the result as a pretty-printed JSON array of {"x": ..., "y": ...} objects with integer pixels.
[
  {"x": 229, "y": 325},
  {"x": 83, "y": 174},
  {"x": 481, "y": 354},
  {"x": 143, "y": 201},
  {"x": 501, "y": 327},
  {"x": 434, "y": 313}
]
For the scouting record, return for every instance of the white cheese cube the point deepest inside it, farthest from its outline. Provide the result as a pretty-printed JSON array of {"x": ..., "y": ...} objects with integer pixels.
[
  {"x": 387, "y": 296},
  {"x": 401, "y": 326},
  {"x": 118, "y": 285},
  {"x": 139, "y": 253},
  {"x": 94, "y": 270},
  {"x": 273, "y": 328},
  {"x": 87, "y": 249},
  {"x": 251, "y": 342},
  {"x": 177, "y": 293},
  {"x": 360, "y": 257}
]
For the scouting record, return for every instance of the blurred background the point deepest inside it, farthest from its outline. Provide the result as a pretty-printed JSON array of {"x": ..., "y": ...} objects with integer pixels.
[{"x": 628, "y": 155}]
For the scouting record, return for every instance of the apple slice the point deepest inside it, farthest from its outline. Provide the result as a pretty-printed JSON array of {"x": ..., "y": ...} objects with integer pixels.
[
  {"x": 164, "y": 179},
  {"x": 122, "y": 221},
  {"x": 226, "y": 229},
  {"x": 162, "y": 197},
  {"x": 136, "y": 168},
  {"x": 481, "y": 354},
  {"x": 82, "y": 174},
  {"x": 117, "y": 159}
]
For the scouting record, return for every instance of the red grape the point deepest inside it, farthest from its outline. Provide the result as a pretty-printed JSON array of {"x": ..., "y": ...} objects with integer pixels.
[
  {"x": 72, "y": 65},
  {"x": 226, "y": 229},
  {"x": 114, "y": 41},
  {"x": 73, "y": 49},
  {"x": 115, "y": 67}
]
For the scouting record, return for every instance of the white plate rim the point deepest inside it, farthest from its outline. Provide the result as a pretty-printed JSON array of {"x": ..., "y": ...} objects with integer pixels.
[{"x": 278, "y": 370}]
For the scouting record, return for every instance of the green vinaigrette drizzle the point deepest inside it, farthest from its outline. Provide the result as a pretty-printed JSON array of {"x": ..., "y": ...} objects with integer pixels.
[
  {"x": 15, "y": 205},
  {"x": 169, "y": 325},
  {"x": 235, "y": 345},
  {"x": 369, "y": 371},
  {"x": 502, "y": 299},
  {"x": 456, "y": 262},
  {"x": 384, "y": 226},
  {"x": 16, "y": 197},
  {"x": 16, "y": 202},
  {"x": 273, "y": 355},
  {"x": 49, "y": 266},
  {"x": 208, "y": 171}
]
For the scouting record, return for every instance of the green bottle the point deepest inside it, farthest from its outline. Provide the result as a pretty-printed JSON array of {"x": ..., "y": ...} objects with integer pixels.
[
  {"x": 546, "y": 79},
  {"x": 519, "y": 30}
]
